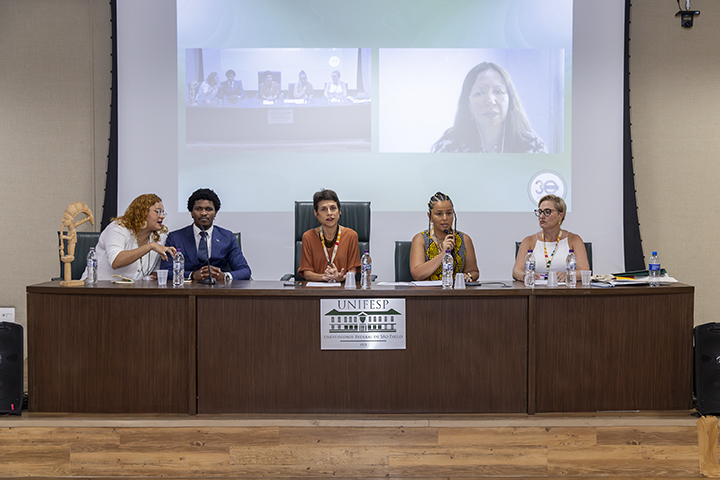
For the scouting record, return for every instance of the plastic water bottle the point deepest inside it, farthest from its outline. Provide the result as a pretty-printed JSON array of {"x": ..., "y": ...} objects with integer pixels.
[
  {"x": 91, "y": 267},
  {"x": 571, "y": 270},
  {"x": 654, "y": 270},
  {"x": 365, "y": 270},
  {"x": 447, "y": 270},
  {"x": 530, "y": 269},
  {"x": 178, "y": 269}
]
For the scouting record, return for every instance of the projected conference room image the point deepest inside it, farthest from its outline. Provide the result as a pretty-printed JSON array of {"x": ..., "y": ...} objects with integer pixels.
[
  {"x": 278, "y": 99},
  {"x": 471, "y": 100}
]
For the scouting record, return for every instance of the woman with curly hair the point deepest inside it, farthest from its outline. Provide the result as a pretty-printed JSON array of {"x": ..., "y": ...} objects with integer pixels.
[{"x": 133, "y": 244}]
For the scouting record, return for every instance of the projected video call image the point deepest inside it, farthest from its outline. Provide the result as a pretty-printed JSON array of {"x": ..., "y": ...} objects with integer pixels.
[
  {"x": 476, "y": 89},
  {"x": 278, "y": 99},
  {"x": 471, "y": 100}
]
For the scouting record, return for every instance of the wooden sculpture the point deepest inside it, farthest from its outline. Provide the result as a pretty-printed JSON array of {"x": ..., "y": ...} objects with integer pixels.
[{"x": 68, "y": 221}]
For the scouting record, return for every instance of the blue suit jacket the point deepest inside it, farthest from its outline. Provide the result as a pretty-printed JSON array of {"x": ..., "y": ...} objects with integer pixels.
[
  {"x": 225, "y": 252},
  {"x": 236, "y": 89}
]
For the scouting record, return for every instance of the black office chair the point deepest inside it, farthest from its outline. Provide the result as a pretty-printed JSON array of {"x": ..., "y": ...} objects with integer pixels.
[
  {"x": 588, "y": 249},
  {"x": 226, "y": 267},
  {"x": 355, "y": 215},
  {"x": 85, "y": 240},
  {"x": 402, "y": 261}
]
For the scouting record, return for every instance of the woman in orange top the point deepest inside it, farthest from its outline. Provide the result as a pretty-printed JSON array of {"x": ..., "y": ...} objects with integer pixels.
[{"x": 330, "y": 250}]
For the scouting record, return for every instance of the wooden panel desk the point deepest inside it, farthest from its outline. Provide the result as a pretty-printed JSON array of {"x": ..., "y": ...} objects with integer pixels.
[
  {"x": 110, "y": 349},
  {"x": 627, "y": 349},
  {"x": 255, "y": 347},
  {"x": 261, "y": 353}
]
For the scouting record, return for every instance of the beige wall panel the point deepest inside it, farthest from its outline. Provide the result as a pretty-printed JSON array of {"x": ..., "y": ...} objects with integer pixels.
[
  {"x": 102, "y": 95},
  {"x": 675, "y": 99},
  {"x": 50, "y": 75}
]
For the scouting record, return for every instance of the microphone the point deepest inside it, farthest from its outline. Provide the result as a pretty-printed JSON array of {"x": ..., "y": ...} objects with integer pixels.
[
  {"x": 210, "y": 280},
  {"x": 449, "y": 232}
]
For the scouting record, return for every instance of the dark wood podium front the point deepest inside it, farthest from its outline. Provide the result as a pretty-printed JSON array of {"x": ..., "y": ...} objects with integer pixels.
[
  {"x": 254, "y": 347},
  {"x": 262, "y": 354}
]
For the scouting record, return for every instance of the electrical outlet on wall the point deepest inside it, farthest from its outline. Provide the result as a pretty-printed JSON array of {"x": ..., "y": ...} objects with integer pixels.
[{"x": 7, "y": 314}]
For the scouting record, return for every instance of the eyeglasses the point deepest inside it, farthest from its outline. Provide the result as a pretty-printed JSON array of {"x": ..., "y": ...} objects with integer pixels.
[
  {"x": 160, "y": 213},
  {"x": 545, "y": 212}
]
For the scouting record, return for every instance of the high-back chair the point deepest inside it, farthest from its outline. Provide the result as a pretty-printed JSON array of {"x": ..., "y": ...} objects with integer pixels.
[
  {"x": 226, "y": 267},
  {"x": 355, "y": 215},
  {"x": 85, "y": 240},
  {"x": 402, "y": 261},
  {"x": 277, "y": 76}
]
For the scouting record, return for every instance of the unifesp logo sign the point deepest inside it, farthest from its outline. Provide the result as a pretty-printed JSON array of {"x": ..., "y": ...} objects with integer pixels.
[{"x": 362, "y": 324}]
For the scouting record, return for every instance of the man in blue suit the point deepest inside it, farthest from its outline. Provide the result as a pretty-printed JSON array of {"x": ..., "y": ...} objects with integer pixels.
[
  {"x": 231, "y": 90},
  {"x": 202, "y": 240}
]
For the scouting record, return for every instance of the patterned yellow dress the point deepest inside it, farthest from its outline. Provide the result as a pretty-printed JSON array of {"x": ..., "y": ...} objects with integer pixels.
[{"x": 432, "y": 251}]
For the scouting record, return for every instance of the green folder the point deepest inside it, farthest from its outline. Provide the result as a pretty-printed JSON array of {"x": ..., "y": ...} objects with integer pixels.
[{"x": 638, "y": 273}]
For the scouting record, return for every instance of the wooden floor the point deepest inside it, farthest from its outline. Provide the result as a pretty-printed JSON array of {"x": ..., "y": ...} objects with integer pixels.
[
  {"x": 627, "y": 445},
  {"x": 620, "y": 445}
]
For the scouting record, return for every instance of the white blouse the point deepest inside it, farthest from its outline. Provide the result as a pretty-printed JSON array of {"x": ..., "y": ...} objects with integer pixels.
[
  {"x": 558, "y": 260},
  {"x": 115, "y": 239}
]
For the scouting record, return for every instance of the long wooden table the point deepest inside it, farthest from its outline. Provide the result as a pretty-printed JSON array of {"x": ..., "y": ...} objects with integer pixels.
[{"x": 254, "y": 347}]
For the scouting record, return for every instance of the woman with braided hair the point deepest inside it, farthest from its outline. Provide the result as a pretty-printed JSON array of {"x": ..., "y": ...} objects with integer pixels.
[{"x": 429, "y": 246}]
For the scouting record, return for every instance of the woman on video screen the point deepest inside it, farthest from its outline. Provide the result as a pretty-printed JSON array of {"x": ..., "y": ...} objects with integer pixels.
[{"x": 490, "y": 117}]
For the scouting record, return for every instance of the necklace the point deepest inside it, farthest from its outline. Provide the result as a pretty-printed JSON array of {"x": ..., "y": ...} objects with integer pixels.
[
  {"x": 495, "y": 147},
  {"x": 142, "y": 269},
  {"x": 548, "y": 262},
  {"x": 442, "y": 252},
  {"x": 437, "y": 241},
  {"x": 330, "y": 241},
  {"x": 337, "y": 242}
]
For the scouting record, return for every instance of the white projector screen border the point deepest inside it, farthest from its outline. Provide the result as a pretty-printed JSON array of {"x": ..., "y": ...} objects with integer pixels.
[{"x": 149, "y": 153}]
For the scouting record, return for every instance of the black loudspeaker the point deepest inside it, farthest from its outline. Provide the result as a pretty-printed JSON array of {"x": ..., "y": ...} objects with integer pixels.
[
  {"x": 707, "y": 368},
  {"x": 11, "y": 368}
]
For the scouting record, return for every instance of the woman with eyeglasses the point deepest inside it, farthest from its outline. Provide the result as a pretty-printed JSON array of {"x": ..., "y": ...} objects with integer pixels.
[
  {"x": 552, "y": 243},
  {"x": 133, "y": 244}
]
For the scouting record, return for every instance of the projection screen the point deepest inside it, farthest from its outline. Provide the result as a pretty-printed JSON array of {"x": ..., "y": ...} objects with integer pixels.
[{"x": 389, "y": 117}]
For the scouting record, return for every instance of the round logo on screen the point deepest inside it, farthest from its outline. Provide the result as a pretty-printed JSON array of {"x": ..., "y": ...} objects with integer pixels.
[
  {"x": 334, "y": 61},
  {"x": 546, "y": 183}
]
